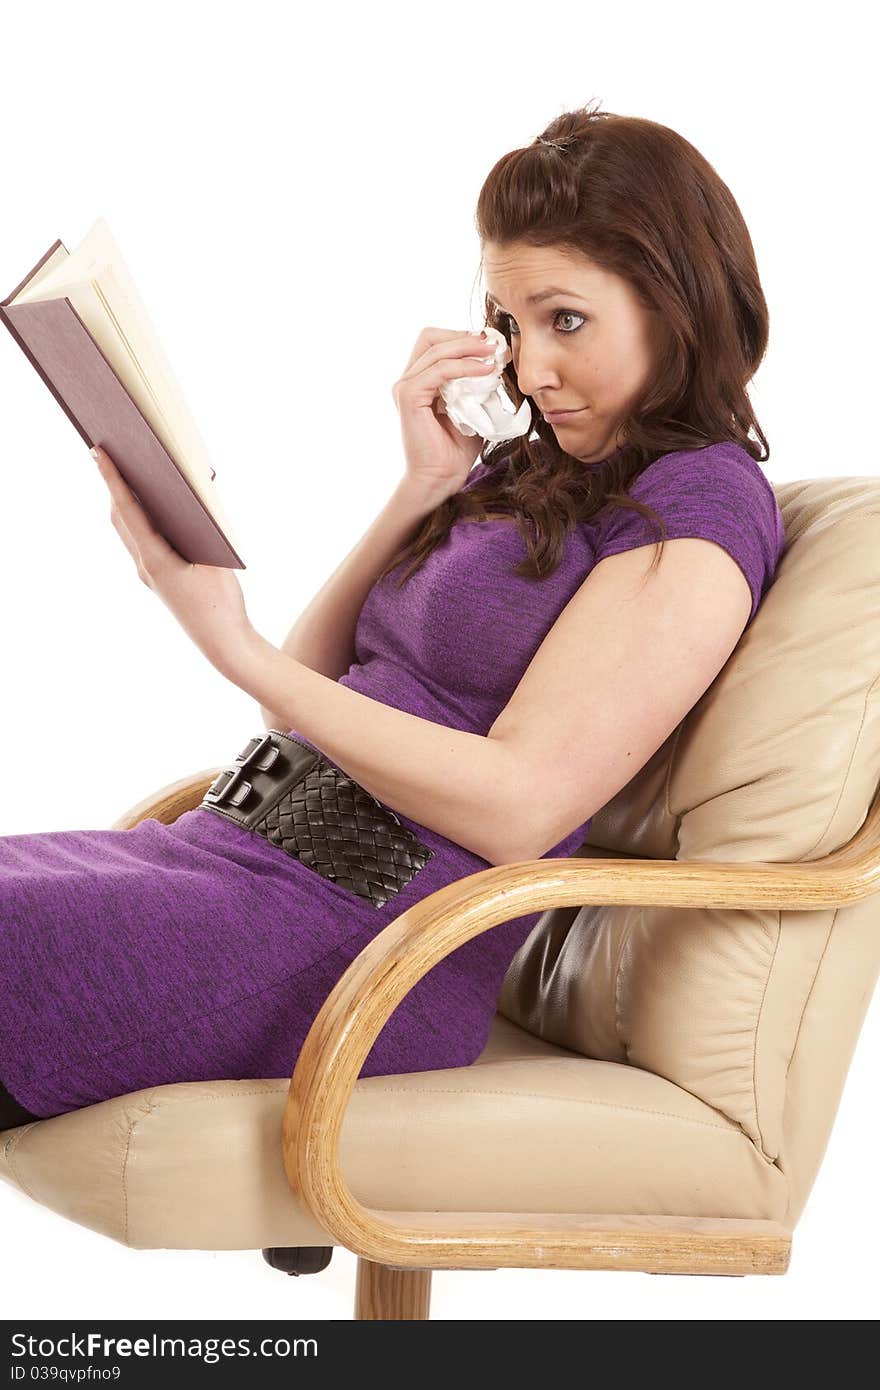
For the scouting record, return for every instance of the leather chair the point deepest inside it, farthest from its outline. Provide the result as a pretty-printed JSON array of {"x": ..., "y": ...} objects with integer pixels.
[{"x": 671, "y": 1042}]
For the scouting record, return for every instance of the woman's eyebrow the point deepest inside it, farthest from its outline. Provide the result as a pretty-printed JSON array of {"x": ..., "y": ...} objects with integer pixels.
[{"x": 542, "y": 294}]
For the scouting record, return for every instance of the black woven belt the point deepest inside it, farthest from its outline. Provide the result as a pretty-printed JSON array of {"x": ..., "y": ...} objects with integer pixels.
[{"x": 300, "y": 802}]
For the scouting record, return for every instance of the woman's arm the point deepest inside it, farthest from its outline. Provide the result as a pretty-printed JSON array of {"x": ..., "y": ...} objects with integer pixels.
[
  {"x": 465, "y": 786},
  {"x": 322, "y": 638}
]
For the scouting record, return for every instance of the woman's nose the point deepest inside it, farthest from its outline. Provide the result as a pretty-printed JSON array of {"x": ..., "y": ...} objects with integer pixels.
[{"x": 535, "y": 371}]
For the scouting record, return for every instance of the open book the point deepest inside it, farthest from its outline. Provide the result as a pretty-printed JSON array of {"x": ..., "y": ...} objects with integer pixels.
[{"x": 80, "y": 321}]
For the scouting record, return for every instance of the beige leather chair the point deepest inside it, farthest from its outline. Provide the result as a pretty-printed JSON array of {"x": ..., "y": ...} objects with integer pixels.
[{"x": 666, "y": 1061}]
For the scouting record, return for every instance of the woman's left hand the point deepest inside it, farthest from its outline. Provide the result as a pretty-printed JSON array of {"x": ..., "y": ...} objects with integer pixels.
[{"x": 206, "y": 600}]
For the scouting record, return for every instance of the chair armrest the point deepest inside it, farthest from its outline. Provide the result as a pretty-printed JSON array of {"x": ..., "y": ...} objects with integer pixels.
[
  {"x": 388, "y": 967},
  {"x": 170, "y": 802}
]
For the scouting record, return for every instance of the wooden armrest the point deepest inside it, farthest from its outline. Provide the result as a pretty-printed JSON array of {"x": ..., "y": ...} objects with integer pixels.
[
  {"x": 364, "y": 998},
  {"x": 171, "y": 801}
]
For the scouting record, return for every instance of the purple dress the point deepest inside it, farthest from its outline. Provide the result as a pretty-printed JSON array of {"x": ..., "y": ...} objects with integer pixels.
[{"x": 200, "y": 951}]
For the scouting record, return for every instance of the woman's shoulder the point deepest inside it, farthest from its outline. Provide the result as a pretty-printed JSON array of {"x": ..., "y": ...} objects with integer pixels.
[
  {"x": 718, "y": 493},
  {"x": 720, "y": 477},
  {"x": 722, "y": 459}
]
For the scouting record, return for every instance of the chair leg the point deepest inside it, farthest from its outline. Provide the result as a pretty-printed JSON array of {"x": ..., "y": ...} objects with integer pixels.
[
  {"x": 385, "y": 1293},
  {"x": 298, "y": 1259}
]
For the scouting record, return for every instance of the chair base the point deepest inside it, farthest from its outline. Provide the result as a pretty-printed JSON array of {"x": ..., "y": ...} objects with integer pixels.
[
  {"x": 298, "y": 1259},
  {"x": 707, "y": 1246},
  {"x": 401, "y": 1293}
]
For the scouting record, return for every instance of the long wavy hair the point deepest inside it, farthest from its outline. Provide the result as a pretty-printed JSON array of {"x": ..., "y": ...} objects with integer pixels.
[{"x": 639, "y": 200}]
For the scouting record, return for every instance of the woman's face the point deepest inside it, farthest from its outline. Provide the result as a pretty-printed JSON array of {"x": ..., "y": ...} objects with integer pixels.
[{"x": 588, "y": 346}]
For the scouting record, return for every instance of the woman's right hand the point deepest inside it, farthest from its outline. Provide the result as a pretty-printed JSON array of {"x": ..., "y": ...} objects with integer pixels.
[{"x": 438, "y": 456}]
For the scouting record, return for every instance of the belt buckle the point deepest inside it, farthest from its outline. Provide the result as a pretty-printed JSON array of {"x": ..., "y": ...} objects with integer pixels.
[
  {"x": 221, "y": 790},
  {"x": 258, "y": 752}
]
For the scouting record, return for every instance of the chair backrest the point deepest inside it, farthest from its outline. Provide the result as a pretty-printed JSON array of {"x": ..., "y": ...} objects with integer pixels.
[{"x": 755, "y": 1012}]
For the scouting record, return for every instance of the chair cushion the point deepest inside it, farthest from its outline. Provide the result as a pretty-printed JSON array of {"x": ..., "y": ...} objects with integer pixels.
[{"x": 528, "y": 1127}]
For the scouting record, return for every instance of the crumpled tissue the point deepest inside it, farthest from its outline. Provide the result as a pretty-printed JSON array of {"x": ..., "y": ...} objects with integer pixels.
[{"x": 481, "y": 405}]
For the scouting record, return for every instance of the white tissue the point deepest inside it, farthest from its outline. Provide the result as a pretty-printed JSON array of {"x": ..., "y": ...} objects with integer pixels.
[{"x": 481, "y": 405}]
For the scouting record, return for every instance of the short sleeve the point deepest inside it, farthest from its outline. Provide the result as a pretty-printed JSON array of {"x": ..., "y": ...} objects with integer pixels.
[{"x": 718, "y": 493}]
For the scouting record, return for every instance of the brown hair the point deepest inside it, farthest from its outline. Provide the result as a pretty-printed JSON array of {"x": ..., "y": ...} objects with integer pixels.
[{"x": 639, "y": 200}]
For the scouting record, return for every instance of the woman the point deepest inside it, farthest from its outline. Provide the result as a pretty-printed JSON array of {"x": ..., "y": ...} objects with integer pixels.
[{"x": 622, "y": 275}]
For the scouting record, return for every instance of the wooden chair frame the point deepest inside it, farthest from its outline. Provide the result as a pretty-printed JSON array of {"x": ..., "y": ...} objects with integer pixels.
[{"x": 398, "y": 1250}]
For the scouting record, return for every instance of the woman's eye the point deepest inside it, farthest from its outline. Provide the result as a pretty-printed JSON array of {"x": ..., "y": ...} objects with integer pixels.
[
  {"x": 571, "y": 314},
  {"x": 508, "y": 322}
]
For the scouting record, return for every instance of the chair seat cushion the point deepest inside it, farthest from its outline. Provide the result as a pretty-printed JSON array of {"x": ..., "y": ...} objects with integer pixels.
[{"x": 528, "y": 1127}]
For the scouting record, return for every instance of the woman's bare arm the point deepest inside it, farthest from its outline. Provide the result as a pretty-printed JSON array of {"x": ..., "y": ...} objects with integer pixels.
[{"x": 322, "y": 638}]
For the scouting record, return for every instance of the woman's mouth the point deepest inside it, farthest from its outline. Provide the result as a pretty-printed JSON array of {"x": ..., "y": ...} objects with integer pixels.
[{"x": 554, "y": 415}]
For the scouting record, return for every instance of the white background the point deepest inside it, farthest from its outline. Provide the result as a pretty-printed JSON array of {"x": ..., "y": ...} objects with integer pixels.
[{"x": 293, "y": 192}]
